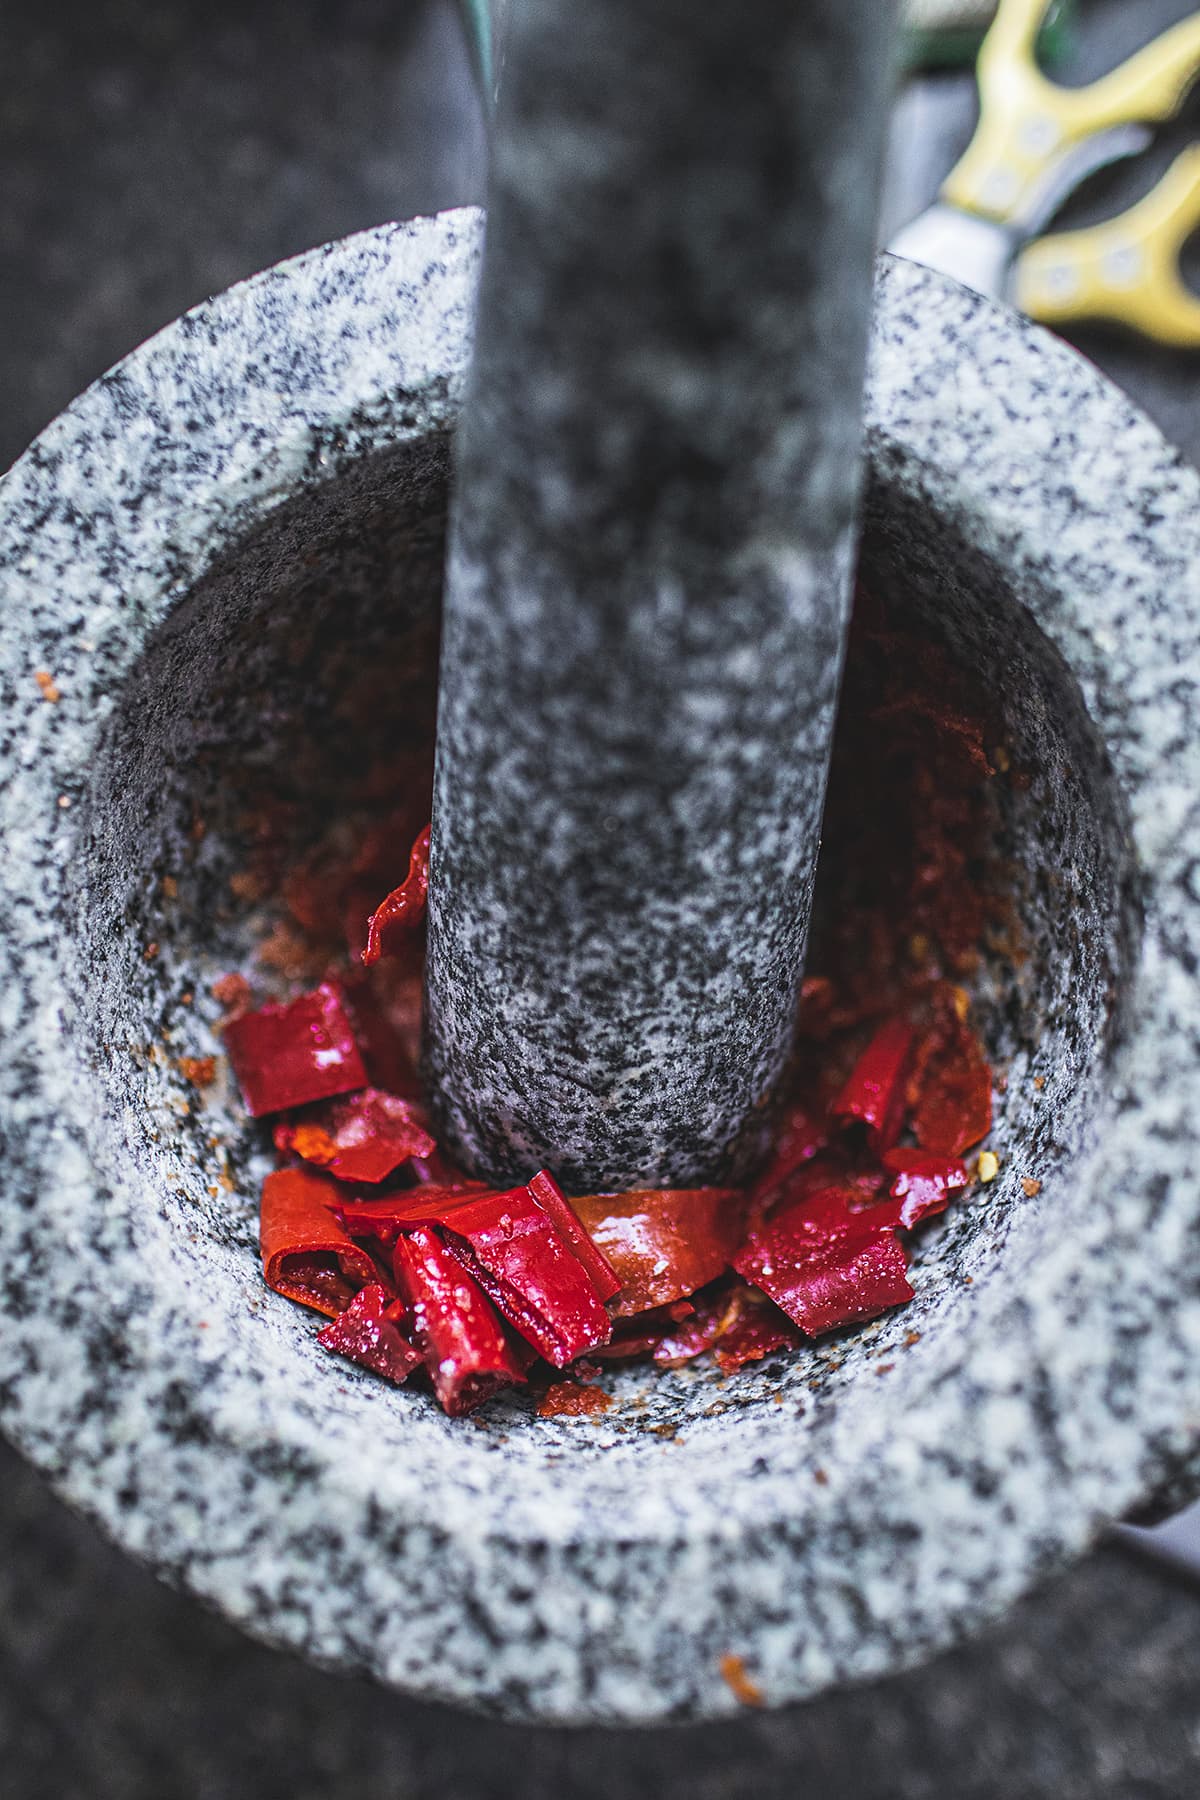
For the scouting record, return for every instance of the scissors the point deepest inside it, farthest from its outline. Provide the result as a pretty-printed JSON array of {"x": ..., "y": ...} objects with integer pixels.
[{"x": 1034, "y": 145}]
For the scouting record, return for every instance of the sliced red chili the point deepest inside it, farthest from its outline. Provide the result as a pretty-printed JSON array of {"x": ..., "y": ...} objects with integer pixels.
[
  {"x": 530, "y": 1273},
  {"x": 516, "y": 1250},
  {"x": 923, "y": 1182},
  {"x": 828, "y": 1262},
  {"x": 285, "y": 1056},
  {"x": 802, "y": 1136},
  {"x": 368, "y": 1333},
  {"x": 361, "y": 1138},
  {"x": 387, "y": 1031},
  {"x": 403, "y": 908},
  {"x": 550, "y": 1197},
  {"x": 951, "y": 1090},
  {"x": 875, "y": 1092},
  {"x": 305, "y": 1252},
  {"x": 663, "y": 1243},
  {"x": 458, "y": 1331}
]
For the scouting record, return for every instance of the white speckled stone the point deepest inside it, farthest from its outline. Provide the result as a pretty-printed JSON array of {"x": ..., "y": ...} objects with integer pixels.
[{"x": 186, "y": 551}]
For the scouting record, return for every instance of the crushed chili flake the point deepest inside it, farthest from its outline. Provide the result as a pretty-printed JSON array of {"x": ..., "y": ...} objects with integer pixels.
[
  {"x": 46, "y": 683},
  {"x": 201, "y": 1071},
  {"x": 733, "y": 1674},
  {"x": 572, "y": 1399},
  {"x": 1030, "y": 1187},
  {"x": 286, "y": 1056},
  {"x": 368, "y": 1333},
  {"x": 233, "y": 994}
]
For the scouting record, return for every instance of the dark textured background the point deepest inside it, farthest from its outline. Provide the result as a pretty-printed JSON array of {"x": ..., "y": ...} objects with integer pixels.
[{"x": 151, "y": 153}]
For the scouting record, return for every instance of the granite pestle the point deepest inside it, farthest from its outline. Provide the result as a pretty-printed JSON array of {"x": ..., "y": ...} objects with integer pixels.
[{"x": 648, "y": 577}]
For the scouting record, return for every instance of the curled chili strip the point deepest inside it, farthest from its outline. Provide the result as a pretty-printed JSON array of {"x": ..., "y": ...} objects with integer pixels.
[
  {"x": 403, "y": 908},
  {"x": 306, "y": 1254}
]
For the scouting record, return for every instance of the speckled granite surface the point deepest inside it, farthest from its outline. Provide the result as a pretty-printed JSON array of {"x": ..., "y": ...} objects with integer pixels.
[
  {"x": 156, "y": 564},
  {"x": 649, "y": 579},
  {"x": 110, "y": 1684}
]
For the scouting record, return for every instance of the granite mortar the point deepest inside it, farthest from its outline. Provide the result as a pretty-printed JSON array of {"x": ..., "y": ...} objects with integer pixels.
[{"x": 206, "y": 552}]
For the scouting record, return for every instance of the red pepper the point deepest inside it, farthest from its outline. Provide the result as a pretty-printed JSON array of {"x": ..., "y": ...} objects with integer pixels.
[
  {"x": 306, "y": 1254},
  {"x": 368, "y": 1332},
  {"x": 403, "y": 908},
  {"x": 950, "y": 1093},
  {"x": 923, "y": 1182},
  {"x": 736, "y": 1322},
  {"x": 527, "y": 1270},
  {"x": 875, "y": 1092},
  {"x": 459, "y": 1333},
  {"x": 550, "y": 1197},
  {"x": 362, "y": 1138},
  {"x": 802, "y": 1136},
  {"x": 285, "y": 1056},
  {"x": 515, "y": 1248},
  {"x": 663, "y": 1243},
  {"x": 827, "y": 1262}
]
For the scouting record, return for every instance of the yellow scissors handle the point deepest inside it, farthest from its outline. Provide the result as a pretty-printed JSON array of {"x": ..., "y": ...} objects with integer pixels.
[
  {"x": 1126, "y": 269},
  {"x": 1030, "y": 128}
]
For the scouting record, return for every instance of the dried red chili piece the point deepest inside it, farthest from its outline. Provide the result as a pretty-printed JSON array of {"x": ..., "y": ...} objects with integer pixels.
[
  {"x": 827, "y": 1262},
  {"x": 663, "y": 1243},
  {"x": 368, "y": 1333},
  {"x": 802, "y": 1136},
  {"x": 458, "y": 1331},
  {"x": 386, "y": 1035},
  {"x": 550, "y": 1197},
  {"x": 385, "y": 1219},
  {"x": 305, "y": 1252},
  {"x": 361, "y": 1138},
  {"x": 641, "y": 1335},
  {"x": 285, "y": 1056},
  {"x": 530, "y": 1273},
  {"x": 516, "y": 1251},
  {"x": 923, "y": 1182},
  {"x": 950, "y": 1094},
  {"x": 736, "y": 1322},
  {"x": 403, "y": 908},
  {"x": 571, "y": 1399},
  {"x": 874, "y": 1094},
  {"x": 751, "y": 1328}
]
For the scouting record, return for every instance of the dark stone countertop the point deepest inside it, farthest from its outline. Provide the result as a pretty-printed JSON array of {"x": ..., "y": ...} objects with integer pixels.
[{"x": 149, "y": 155}]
